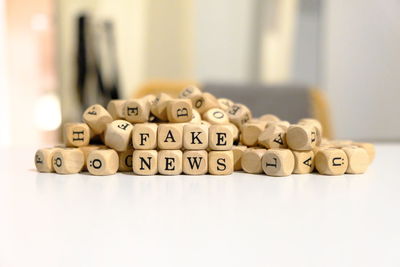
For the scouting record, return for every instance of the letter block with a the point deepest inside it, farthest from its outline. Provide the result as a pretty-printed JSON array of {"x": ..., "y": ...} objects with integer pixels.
[{"x": 170, "y": 136}]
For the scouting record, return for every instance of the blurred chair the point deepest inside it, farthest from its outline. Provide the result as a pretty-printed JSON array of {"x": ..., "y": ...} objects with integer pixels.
[{"x": 288, "y": 102}]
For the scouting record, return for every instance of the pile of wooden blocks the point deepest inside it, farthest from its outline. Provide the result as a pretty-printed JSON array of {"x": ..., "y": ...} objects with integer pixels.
[{"x": 196, "y": 134}]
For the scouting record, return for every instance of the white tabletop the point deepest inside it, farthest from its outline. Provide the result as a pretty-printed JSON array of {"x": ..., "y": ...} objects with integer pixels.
[{"x": 237, "y": 220}]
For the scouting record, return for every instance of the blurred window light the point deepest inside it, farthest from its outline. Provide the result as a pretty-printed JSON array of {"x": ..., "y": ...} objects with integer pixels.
[
  {"x": 39, "y": 22},
  {"x": 48, "y": 112}
]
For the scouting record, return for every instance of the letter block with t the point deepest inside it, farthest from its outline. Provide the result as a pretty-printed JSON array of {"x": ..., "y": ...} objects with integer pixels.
[
  {"x": 195, "y": 136},
  {"x": 220, "y": 137},
  {"x": 195, "y": 162},
  {"x": 102, "y": 162},
  {"x": 145, "y": 162},
  {"x": 179, "y": 110},
  {"x": 170, "y": 162},
  {"x": 97, "y": 117},
  {"x": 170, "y": 136},
  {"x": 144, "y": 136},
  {"x": 220, "y": 162},
  {"x": 76, "y": 134}
]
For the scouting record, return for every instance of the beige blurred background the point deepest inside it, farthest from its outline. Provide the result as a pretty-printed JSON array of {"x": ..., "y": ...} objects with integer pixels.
[{"x": 347, "y": 49}]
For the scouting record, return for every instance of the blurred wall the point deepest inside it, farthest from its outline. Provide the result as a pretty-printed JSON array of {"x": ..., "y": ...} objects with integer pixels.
[{"x": 361, "y": 72}]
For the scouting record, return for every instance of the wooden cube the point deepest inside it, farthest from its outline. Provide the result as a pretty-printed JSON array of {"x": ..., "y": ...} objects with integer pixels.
[
  {"x": 118, "y": 135},
  {"x": 269, "y": 118},
  {"x": 68, "y": 160},
  {"x": 144, "y": 136},
  {"x": 102, "y": 162},
  {"x": 196, "y": 117},
  {"x": 195, "y": 162},
  {"x": 278, "y": 162},
  {"x": 358, "y": 159},
  {"x": 86, "y": 151},
  {"x": 237, "y": 157},
  {"x": 116, "y": 108},
  {"x": 220, "y": 162},
  {"x": 239, "y": 114},
  {"x": 190, "y": 92},
  {"x": 251, "y": 132},
  {"x": 159, "y": 106},
  {"x": 44, "y": 159},
  {"x": 204, "y": 102},
  {"x": 235, "y": 131},
  {"x": 145, "y": 162},
  {"x": 195, "y": 136},
  {"x": 251, "y": 160},
  {"x": 225, "y": 104},
  {"x": 370, "y": 148},
  {"x": 301, "y": 137},
  {"x": 137, "y": 110},
  {"x": 273, "y": 137},
  {"x": 76, "y": 134},
  {"x": 331, "y": 161},
  {"x": 313, "y": 123},
  {"x": 220, "y": 137},
  {"x": 303, "y": 161},
  {"x": 170, "y": 136},
  {"x": 179, "y": 110},
  {"x": 170, "y": 162},
  {"x": 97, "y": 117},
  {"x": 125, "y": 161},
  {"x": 216, "y": 116}
]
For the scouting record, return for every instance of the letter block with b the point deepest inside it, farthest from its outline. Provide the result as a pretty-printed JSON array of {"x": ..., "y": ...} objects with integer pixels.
[
  {"x": 179, "y": 110},
  {"x": 76, "y": 134},
  {"x": 170, "y": 162}
]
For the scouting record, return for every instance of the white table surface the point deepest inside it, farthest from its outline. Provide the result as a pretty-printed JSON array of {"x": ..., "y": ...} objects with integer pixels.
[{"x": 237, "y": 220}]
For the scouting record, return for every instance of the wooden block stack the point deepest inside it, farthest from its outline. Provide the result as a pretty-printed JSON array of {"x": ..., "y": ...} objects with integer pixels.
[{"x": 196, "y": 134}]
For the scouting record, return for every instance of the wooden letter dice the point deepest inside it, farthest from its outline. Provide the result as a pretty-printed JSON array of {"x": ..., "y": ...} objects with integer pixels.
[
  {"x": 269, "y": 118},
  {"x": 179, "y": 110},
  {"x": 220, "y": 162},
  {"x": 314, "y": 123},
  {"x": 331, "y": 161},
  {"x": 237, "y": 157},
  {"x": 137, "y": 110},
  {"x": 358, "y": 159},
  {"x": 97, "y": 118},
  {"x": 303, "y": 161},
  {"x": 102, "y": 162},
  {"x": 301, "y": 137},
  {"x": 251, "y": 132},
  {"x": 125, "y": 161},
  {"x": 170, "y": 136},
  {"x": 204, "y": 102},
  {"x": 170, "y": 162},
  {"x": 278, "y": 162},
  {"x": 225, "y": 103},
  {"x": 145, "y": 162},
  {"x": 195, "y": 136},
  {"x": 68, "y": 160},
  {"x": 273, "y": 136},
  {"x": 76, "y": 134},
  {"x": 251, "y": 160},
  {"x": 144, "y": 136},
  {"x": 118, "y": 135},
  {"x": 239, "y": 114},
  {"x": 44, "y": 159},
  {"x": 190, "y": 92},
  {"x": 220, "y": 137},
  {"x": 86, "y": 151},
  {"x": 159, "y": 106},
  {"x": 216, "y": 116},
  {"x": 370, "y": 148},
  {"x": 195, "y": 162},
  {"x": 116, "y": 108}
]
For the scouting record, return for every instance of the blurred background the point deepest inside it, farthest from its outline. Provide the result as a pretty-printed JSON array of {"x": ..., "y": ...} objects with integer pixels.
[{"x": 58, "y": 56}]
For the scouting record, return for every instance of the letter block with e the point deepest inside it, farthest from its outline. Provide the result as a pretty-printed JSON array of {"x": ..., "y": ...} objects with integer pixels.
[
  {"x": 220, "y": 137},
  {"x": 170, "y": 162}
]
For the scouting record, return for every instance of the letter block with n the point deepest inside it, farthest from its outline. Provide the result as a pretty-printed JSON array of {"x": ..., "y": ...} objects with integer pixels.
[
  {"x": 195, "y": 136},
  {"x": 145, "y": 162},
  {"x": 195, "y": 162}
]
